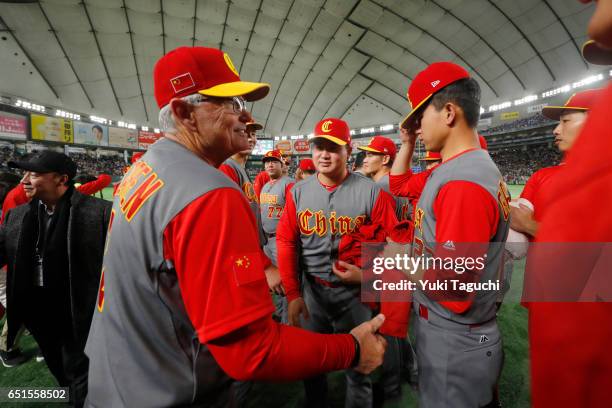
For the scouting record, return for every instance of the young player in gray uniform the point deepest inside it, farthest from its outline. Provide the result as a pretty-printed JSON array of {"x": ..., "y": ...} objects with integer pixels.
[
  {"x": 462, "y": 211},
  {"x": 183, "y": 306},
  {"x": 272, "y": 203},
  {"x": 318, "y": 212}
]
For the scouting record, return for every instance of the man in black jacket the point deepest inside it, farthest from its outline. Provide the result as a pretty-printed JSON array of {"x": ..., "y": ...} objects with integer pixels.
[{"x": 53, "y": 247}]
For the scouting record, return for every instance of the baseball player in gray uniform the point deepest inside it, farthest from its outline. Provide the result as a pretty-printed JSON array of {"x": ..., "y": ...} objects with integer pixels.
[
  {"x": 318, "y": 212},
  {"x": 272, "y": 203},
  {"x": 465, "y": 201}
]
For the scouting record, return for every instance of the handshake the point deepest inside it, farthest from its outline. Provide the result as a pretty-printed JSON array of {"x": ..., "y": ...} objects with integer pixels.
[{"x": 371, "y": 344}]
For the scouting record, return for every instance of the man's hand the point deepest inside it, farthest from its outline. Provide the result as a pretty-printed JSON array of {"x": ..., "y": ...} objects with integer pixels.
[
  {"x": 296, "y": 308},
  {"x": 274, "y": 280},
  {"x": 407, "y": 137},
  {"x": 372, "y": 346},
  {"x": 521, "y": 220},
  {"x": 351, "y": 276}
]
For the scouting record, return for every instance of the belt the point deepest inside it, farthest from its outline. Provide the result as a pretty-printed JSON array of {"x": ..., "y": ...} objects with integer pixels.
[
  {"x": 424, "y": 313},
  {"x": 270, "y": 235},
  {"x": 328, "y": 284}
]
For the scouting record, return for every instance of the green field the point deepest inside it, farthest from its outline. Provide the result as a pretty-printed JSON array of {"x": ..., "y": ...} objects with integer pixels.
[{"x": 514, "y": 384}]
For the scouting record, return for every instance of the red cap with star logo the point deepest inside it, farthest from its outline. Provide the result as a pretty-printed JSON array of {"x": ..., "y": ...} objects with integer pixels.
[
  {"x": 208, "y": 71},
  {"x": 273, "y": 155}
]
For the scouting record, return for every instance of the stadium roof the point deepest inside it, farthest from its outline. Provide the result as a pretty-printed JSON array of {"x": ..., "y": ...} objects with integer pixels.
[{"x": 346, "y": 58}]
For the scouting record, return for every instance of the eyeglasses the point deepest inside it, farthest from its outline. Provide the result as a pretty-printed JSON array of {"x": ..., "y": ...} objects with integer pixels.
[{"x": 238, "y": 102}]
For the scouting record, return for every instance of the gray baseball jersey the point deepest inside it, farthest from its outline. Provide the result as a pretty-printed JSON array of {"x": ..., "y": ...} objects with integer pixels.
[
  {"x": 247, "y": 188},
  {"x": 460, "y": 355},
  {"x": 403, "y": 208},
  {"x": 272, "y": 202},
  {"x": 477, "y": 167},
  {"x": 142, "y": 346}
]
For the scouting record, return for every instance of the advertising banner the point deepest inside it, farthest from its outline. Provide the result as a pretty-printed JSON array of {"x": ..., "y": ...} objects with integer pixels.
[
  {"x": 13, "y": 126},
  {"x": 51, "y": 129},
  {"x": 145, "y": 139},
  {"x": 90, "y": 134},
  {"x": 120, "y": 137}
]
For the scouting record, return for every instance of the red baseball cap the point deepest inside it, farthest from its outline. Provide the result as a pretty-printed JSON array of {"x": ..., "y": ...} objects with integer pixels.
[
  {"x": 382, "y": 145},
  {"x": 580, "y": 101},
  {"x": 254, "y": 125},
  {"x": 431, "y": 156},
  {"x": 596, "y": 54},
  {"x": 333, "y": 129},
  {"x": 307, "y": 165},
  {"x": 208, "y": 71},
  {"x": 429, "y": 81},
  {"x": 273, "y": 155}
]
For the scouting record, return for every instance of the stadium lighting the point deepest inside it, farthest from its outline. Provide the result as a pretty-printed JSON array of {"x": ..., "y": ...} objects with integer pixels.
[
  {"x": 587, "y": 81},
  {"x": 482, "y": 110},
  {"x": 296, "y": 137},
  {"x": 562, "y": 89},
  {"x": 28, "y": 105},
  {"x": 67, "y": 115},
  {"x": 144, "y": 128},
  {"x": 283, "y": 137},
  {"x": 156, "y": 130},
  {"x": 98, "y": 119},
  {"x": 384, "y": 128},
  {"x": 503, "y": 105},
  {"x": 526, "y": 99},
  {"x": 310, "y": 135},
  {"x": 276, "y": 138},
  {"x": 353, "y": 132},
  {"x": 611, "y": 72},
  {"x": 367, "y": 130}
]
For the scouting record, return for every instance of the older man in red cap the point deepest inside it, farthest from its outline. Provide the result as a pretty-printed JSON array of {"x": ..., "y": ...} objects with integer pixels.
[
  {"x": 461, "y": 213},
  {"x": 569, "y": 340},
  {"x": 318, "y": 213},
  {"x": 183, "y": 305}
]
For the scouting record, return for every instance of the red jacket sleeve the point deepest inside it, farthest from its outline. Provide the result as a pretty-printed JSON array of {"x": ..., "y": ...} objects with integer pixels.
[
  {"x": 266, "y": 350},
  {"x": 467, "y": 216},
  {"x": 383, "y": 212},
  {"x": 14, "y": 198},
  {"x": 408, "y": 185},
  {"x": 93, "y": 187},
  {"x": 287, "y": 235},
  {"x": 218, "y": 264},
  {"x": 230, "y": 172}
]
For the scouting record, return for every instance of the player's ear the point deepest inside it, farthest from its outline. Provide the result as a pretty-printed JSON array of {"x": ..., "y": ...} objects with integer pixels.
[
  {"x": 450, "y": 113},
  {"x": 182, "y": 111},
  {"x": 386, "y": 159}
]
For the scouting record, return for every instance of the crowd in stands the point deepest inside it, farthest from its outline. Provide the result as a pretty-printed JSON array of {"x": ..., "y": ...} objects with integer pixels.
[
  {"x": 111, "y": 165},
  {"x": 523, "y": 123},
  {"x": 518, "y": 163}
]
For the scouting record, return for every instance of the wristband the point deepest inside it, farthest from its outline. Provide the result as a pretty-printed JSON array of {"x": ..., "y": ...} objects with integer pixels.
[{"x": 357, "y": 356}]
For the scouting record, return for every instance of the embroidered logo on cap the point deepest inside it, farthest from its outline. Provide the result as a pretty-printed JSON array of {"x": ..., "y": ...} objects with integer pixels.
[
  {"x": 326, "y": 126},
  {"x": 435, "y": 83},
  {"x": 229, "y": 63},
  {"x": 182, "y": 82}
]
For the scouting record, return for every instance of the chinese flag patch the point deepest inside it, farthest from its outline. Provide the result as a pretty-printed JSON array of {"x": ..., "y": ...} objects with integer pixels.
[
  {"x": 247, "y": 268},
  {"x": 182, "y": 82}
]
